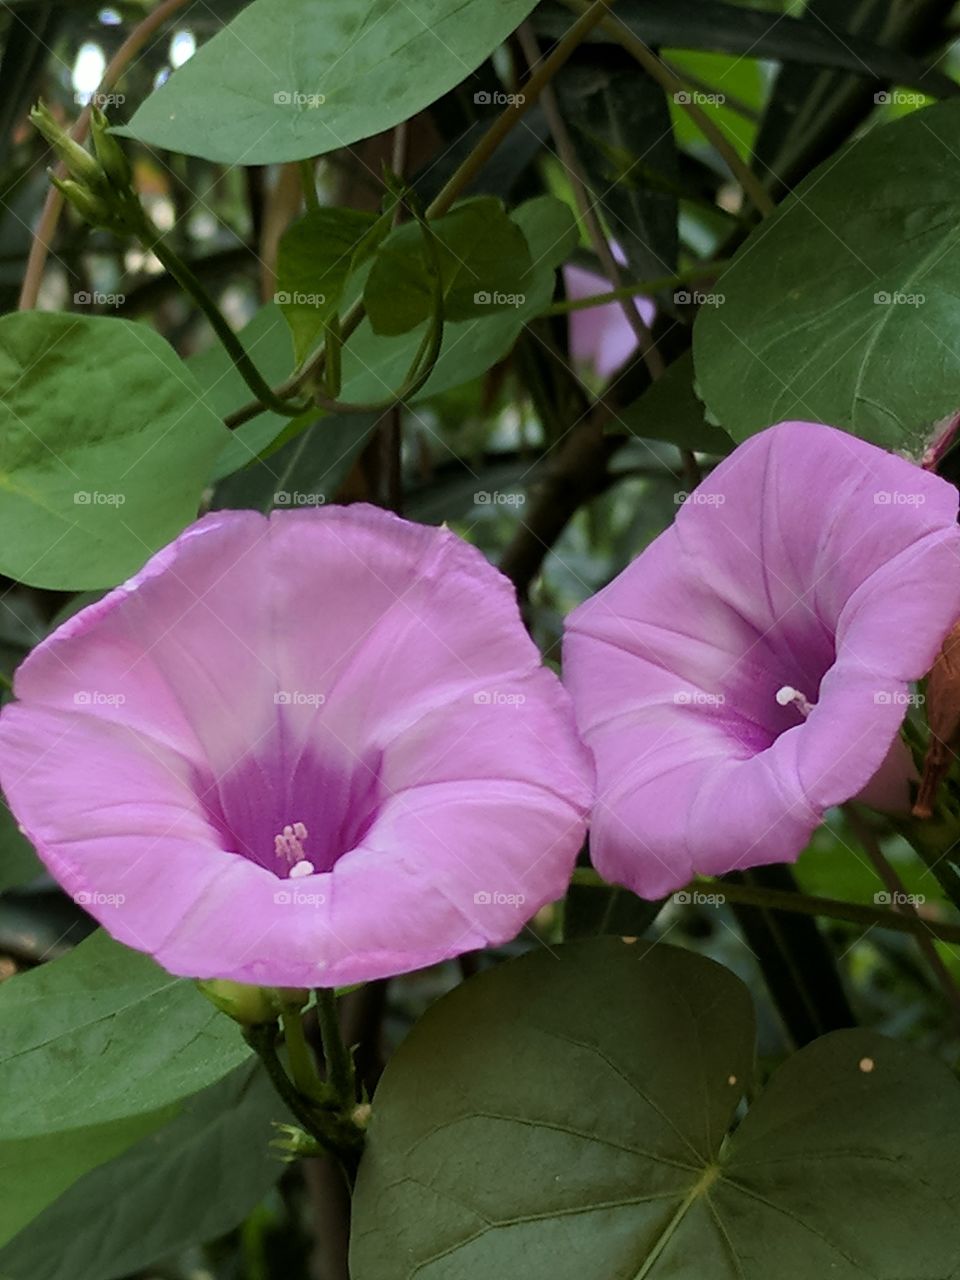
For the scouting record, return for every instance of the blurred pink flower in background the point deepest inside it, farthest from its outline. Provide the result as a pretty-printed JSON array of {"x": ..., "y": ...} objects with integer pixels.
[
  {"x": 750, "y": 668},
  {"x": 310, "y": 750},
  {"x": 601, "y": 338}
]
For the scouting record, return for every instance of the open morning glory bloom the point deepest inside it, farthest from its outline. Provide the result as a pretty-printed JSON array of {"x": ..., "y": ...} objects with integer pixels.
[
  {"x": 751, "y": 667},
  {"x": 306, "y": 750},
  {"x": 601, "y": 338}
]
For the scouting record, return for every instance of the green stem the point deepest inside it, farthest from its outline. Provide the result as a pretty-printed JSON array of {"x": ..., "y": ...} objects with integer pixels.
[
  {"x": 809, "y": 905},
  {"x": 697, "y": 272},
  {"x": 308, "y": 178},
  {"x": 302, "y": 1066},
  {"x": 895, "y": 886},
  {"x": 333, "y": 1130},
  {"x": 471, "y": 166},
  {"x": 336, "y": 1054},
  {"x": 267, "y": 398}
]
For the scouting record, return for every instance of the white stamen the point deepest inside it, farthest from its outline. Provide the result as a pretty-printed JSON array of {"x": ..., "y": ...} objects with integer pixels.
[
  {"x": 303, "y": 868},
  {"x": 788, "y": 694},
  {"x": 289, "y": 845}
]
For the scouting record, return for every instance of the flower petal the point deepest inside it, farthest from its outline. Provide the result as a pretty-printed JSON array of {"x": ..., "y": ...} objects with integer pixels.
[{"x": 674, "y": 668}]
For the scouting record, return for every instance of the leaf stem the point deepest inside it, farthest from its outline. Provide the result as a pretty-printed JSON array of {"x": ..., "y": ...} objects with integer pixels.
[
  {"x": 340, "y": 1073},
  {"x": 807, "y": 904},
  {"x": 697, "y": 272},
  {"x": 190, "y": 283}
]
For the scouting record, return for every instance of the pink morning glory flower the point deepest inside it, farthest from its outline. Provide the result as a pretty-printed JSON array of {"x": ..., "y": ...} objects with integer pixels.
[
  {"x": 601, "y": 338},
  {"x": 306, "y": 750},
  {"x": 752, "y": 666}
]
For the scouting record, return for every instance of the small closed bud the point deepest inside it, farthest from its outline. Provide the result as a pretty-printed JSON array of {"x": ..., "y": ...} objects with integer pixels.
[
  {"x": 80, "y": 164},
  {"x": 943, "y": 717},
  {"x": 111, "y": 155},
  {"x": 291, "y": 1143},
  {"x": 250, "y": 1006},
  {"x": 88, "y": 205}
]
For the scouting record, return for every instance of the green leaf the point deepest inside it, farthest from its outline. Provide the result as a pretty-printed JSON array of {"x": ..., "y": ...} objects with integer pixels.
[
  {"x": 105, "y": 446},
  {"x": 374, "y": 365},
  {"x": 572, "y": 1114},
  {"x": 99, "y": 1049},
  {"x": 853, "y": 280},
  {"x": 305, "y": 471},
  {"x": 670, "y": 410},
  {"x": 621, "y": 129},
  {"x": 190, "y": 1182},
  {"x": 483, "y": 261},
  {"x": 314, "y": 259},
  {"x": 288, "y": 79}
]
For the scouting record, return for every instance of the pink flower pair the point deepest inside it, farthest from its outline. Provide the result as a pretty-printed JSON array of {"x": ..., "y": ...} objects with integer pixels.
[{"x": 320, "y": 748}]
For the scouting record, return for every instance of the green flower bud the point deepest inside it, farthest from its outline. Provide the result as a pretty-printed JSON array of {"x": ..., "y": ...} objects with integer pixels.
[
  {"x": 291, "y": 1143},
  {"x": 88, "y": 205},
  {"x": 79, "y": 162},
  {"x": 250, "y": 1006},
  {"x": 111, "y": 155}
]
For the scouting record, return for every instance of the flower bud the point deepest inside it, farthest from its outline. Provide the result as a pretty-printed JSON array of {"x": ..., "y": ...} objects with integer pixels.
[
  {"x": 250, "y": 1006},
  {"x": 88, "y": 205},
  {"x": 80, "y": 164},
  {"x": 111, "y": 155}
]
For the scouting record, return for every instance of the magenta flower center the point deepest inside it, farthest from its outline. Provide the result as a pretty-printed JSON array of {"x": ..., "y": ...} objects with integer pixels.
[{"x": 294, "y": 817}]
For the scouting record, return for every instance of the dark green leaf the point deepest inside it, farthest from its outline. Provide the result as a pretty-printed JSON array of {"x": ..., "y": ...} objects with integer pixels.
[
  {"x": 670, "y": 410},
  {"x": 99, "y": 1049},
  {"x": 94, "y": 479},
  {"x": 620, "y": 125},
  {"x": 288, "y": 79},
  {"x": 853, "y": 280},
  {"x": 483, "y": 261},
  {"x": 571, "y": 1114},
  {"x": 188, "y": 1183},
  {"x": 808, "y": 116},
  {"x": 18, "y": 862},
  {"x": 315, "y": 257}
]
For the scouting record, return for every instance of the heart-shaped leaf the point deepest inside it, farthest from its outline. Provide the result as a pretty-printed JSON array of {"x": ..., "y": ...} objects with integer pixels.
[{"x": 574, "y": 1113}]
